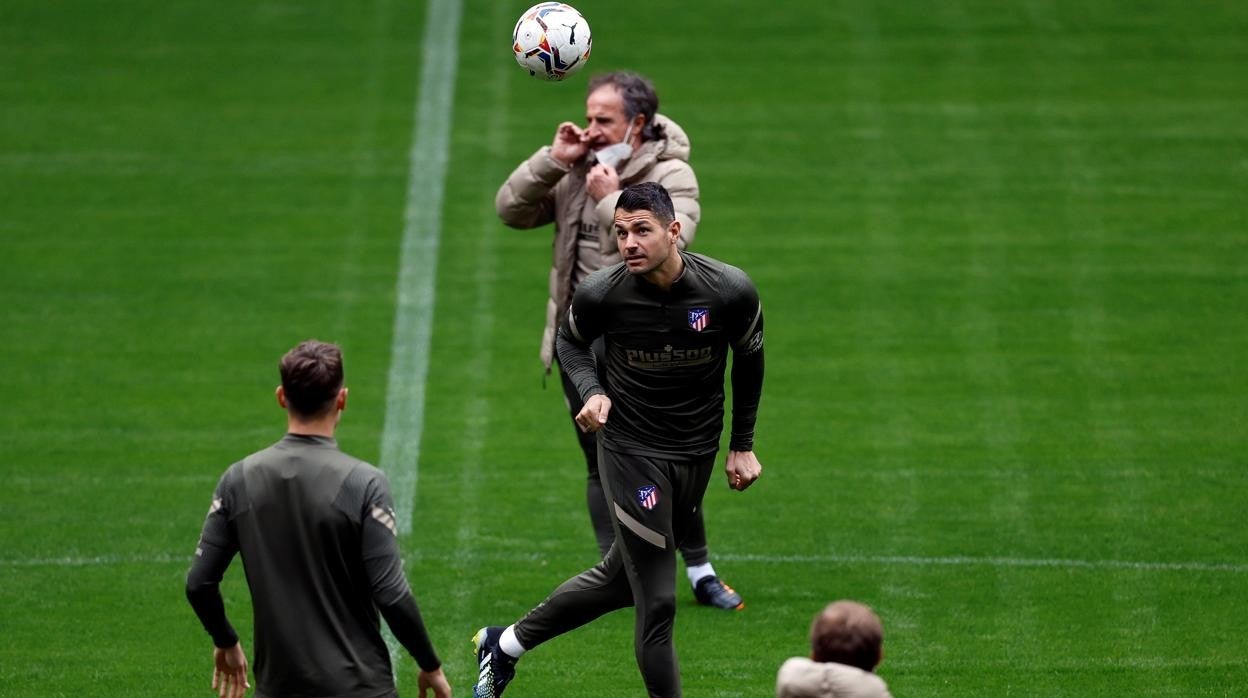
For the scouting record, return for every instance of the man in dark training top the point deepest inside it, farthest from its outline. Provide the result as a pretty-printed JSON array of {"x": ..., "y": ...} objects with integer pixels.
[
  {"x": 317, "y": 533},
  {"x": 669, "y": 319}
]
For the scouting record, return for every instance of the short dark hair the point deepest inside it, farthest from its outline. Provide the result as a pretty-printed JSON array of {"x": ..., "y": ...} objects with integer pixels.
[
  {"x": 847, "y": 632},
  {"x": 311, "y": 377},
  {"x": 639, "y": 98},
  {"x": 647, "y": 196}
]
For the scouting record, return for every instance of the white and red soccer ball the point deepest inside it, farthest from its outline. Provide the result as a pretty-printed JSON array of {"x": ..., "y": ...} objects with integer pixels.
[{"x": 551, "y": 40}]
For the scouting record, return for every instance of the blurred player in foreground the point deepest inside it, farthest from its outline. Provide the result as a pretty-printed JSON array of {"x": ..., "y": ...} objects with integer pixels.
[
  {"x": 846, "y": 644},
  {"x": 317, "y": 534},
  {"x": 669, "y": 319},
  {"x": 574, "y": 183}
]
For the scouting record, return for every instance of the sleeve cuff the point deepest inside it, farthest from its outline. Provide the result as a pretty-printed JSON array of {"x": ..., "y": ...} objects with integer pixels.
[
  {"x": 226, "y": 639},
  {"x": 546, "y": 168}
]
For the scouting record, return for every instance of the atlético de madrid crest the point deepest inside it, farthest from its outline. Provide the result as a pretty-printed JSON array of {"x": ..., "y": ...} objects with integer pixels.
[
  {"x": 699, "y": 318},
  {"x": 648, "y": 497}
]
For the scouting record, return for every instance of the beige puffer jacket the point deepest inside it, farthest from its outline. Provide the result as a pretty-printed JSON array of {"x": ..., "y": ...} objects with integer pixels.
[
  {"x": 542, "y": 190},
  {"x": 800, "y": 677}
]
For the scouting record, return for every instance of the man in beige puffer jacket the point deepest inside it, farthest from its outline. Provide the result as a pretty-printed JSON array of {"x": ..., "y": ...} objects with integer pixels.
[{"x": 574, "y": 183}]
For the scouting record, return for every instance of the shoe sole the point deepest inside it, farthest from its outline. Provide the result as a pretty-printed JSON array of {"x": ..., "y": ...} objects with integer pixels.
[
  {"x": 710, "y": 601},
  {"x": 710, "y": 604}
]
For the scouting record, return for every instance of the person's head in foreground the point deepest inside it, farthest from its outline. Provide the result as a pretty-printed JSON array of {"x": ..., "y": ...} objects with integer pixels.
[
  {"x": 846, "y": 644},
  {"x": 847, "y": 632}
]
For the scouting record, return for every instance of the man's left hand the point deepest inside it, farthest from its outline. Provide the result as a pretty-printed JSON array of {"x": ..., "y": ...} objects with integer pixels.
[
  {"x": 229, "y": 672},
  {"x": 433, "y": 681},
  {"x": 743, "y": 469},
  {"x": 601, "y": 180}
]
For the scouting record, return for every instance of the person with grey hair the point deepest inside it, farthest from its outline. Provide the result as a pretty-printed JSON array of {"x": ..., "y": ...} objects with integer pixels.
[
  {"x": 574, "y": 183},
  {"x": 846, "y": 645}
]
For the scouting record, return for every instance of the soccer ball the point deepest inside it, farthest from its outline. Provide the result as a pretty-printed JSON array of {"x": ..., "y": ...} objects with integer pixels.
[{"x": 551, "y": 40}]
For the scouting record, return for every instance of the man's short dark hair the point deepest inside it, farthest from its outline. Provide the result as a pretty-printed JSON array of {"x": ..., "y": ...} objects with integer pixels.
[
  {"x": 847, "y": 632},
  {"x": 639, "y": 98},
  {"x": 311, "y": 377},
  {"x": 647, "y": 196}
]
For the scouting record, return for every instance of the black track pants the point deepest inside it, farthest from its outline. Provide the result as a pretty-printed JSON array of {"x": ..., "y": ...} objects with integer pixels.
[{"x": 652, "y": 503}]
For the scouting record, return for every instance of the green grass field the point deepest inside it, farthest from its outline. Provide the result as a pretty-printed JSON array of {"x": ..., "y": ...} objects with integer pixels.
[{"x": 1003, "y": 249}]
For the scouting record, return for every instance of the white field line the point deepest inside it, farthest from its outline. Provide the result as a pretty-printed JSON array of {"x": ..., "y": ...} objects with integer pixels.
[
  {"x": 968, "y": 561},
  {"x": 418, "y": 257},
  {"x": 99, "y": 560},
  {"x": 831, "y": 559},
  {"x": 418, "y": 265},
  {"x": 1079, "y": 664}
]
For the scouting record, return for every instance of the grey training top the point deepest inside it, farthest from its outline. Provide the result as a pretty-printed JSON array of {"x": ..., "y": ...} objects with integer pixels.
[
  {"x": 316, "y": 530},
  {"x": 666, "y": 353}
]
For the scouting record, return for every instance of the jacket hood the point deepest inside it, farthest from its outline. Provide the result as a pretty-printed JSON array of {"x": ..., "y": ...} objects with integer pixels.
[{"x": 674, "y": 145}]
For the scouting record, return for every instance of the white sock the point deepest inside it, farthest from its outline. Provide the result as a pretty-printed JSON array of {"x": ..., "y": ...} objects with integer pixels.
[
  {"x": 509, "y": 644},
  {"x": 699, "y": 571}
]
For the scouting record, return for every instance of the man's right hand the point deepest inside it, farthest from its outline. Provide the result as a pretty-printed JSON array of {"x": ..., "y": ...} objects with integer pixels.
[
  {"x": 743, "y": 469},
  {"x": 570, "y": 143},
  {"x": 593, "y": 415}
]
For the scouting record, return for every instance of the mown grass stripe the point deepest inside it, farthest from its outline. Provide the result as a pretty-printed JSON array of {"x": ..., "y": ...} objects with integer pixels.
[{"x": 422, "y": 225}]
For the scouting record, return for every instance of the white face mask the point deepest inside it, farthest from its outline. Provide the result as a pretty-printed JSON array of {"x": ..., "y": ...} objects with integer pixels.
[{"x": 613, "y": 155}]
